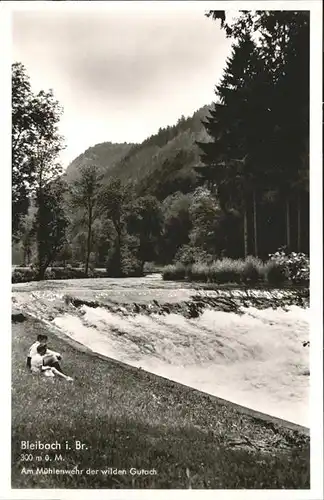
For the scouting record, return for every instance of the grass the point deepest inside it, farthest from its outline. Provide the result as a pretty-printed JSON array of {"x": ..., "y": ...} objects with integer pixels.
[
  {"x": 130, "y": 418},
  {"x": 174, "y": 272},
  {"x": 249, "y": 271}
]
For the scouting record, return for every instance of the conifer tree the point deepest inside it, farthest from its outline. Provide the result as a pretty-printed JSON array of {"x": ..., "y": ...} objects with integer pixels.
[
  {"x": 235, "y": 125},
  {"x": 259, "y": 125}
]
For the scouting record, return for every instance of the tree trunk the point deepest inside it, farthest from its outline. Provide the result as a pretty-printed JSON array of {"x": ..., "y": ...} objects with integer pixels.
[
  {"x": 41, "y": 263},
  {"x": 41, "y": 273},
  {"x": 28, "y": 254},
  {"x": 288, "y": 225},
  {"x": 41, "y": 269},
  {"x": 298, "y": 224},
  {"x": 245, "y": 228},
  {"x": 88, "y": 242},
  {"x": 118, "y": 253},
  {"x": 255, "y": 226}
]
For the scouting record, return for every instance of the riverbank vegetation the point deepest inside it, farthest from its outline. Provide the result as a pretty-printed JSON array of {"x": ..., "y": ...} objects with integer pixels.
[
  {"x": 130, "y": 418},
  {"x": 201, "y": 197},
  {"x": 280, "y": 269}
]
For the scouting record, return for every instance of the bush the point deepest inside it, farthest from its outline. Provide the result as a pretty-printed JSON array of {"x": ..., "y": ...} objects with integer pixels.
[
  {"x": 23, "y": 275},
  {"x": 226, "y": 271},
  {"x": 50, "y": 274},
  {"x": 17, "y": 276},
  {"x": 100, "y": 273},
  {"x": 126, "y": 264},
  {"x": 61, "y": 273},
  {"x": 252, "y": 270},
  {"x": 296, "y": 265},
  {"x": 131, "y": 266},
  {"x": 188, "y": 255},
  {"x": 275, "y": 273},
  {"x": 199, "y": 272},
  {"x": 149, "y": 267},
  {"x": 174, "y": 272}
]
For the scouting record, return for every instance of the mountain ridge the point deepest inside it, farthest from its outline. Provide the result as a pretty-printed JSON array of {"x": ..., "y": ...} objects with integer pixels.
[{"x": 165, "y": 157}]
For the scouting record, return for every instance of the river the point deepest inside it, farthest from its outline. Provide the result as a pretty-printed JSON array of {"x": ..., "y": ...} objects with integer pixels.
[{"x": 255, "y": 358}]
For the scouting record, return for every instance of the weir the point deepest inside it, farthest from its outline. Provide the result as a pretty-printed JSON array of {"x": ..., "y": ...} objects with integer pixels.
[
  {"x": 270, "y": 420},
  {"x": 254, "y": 360}
]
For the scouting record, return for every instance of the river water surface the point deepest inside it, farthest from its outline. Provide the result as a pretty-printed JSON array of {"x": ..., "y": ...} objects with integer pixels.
[{"x": 255, "y": 358}]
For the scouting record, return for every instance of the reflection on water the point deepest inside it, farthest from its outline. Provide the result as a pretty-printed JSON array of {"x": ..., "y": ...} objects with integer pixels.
[{"x": 255, "y": 359}]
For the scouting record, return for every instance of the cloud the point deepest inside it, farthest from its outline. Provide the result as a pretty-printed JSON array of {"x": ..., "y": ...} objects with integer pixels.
[{"x": 120, "y": 62}]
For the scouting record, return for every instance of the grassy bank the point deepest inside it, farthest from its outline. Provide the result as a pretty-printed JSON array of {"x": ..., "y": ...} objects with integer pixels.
[
  {"x": 128, "y": 418},
  {"x": 250, "y": 271}
]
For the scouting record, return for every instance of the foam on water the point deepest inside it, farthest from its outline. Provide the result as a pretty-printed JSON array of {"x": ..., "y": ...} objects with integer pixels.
[{"x": 256, "y": 360}]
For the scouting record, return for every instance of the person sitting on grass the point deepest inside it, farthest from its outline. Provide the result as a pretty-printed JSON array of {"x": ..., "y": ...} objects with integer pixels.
[
  {"x": 51, "y": 358},
  {"x": 37, "y": 365}
]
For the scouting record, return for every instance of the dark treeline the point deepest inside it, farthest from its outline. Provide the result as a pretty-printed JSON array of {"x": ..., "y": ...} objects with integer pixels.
[
  {"x": 257, "y": 162},
  {"x": 229, "y": 181}
]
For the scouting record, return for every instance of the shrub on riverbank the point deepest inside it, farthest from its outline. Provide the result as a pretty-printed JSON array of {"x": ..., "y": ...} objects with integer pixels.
[
  {"x": 174, "y": 272},
  {"x": 275, "y": 273},
  {"x": 197, "y": 272},
  {"x": 278, "y": 270},
  {"x": 225, "y": 271},
  {"x": 25, "y": 274},
  {"x": 294, "y": 265},
  {"x": 250, "y": 270}
]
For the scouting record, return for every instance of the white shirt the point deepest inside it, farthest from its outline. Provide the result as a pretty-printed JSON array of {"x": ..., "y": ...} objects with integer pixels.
[
  {"x": 33, "y": 350},
  {"x": 37, "y": 366},
  {"x": 36, "y": 363}
]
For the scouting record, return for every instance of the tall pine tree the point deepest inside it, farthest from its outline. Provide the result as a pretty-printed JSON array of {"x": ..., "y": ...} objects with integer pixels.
[
  {"x": 235, "y": 124},
  {"x": 258, "y": 156}
]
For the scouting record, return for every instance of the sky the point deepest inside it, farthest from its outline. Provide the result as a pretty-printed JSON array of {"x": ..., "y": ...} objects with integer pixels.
[{"x": 121, "y": 73}]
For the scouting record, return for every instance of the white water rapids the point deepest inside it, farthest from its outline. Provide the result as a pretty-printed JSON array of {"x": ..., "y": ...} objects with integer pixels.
[{"x": 255, "y": 359}]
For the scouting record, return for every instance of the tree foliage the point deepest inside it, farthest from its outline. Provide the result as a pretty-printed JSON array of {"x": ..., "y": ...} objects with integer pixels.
[
  {"x": 145, "y": 222},
  {"x": 36, "y": 142},
  {"x": 84, "y": 197},
  {"x": 50, "y": 224},
  {"x": 257, "y": 160},
  {"x": 115, "y": 199}
]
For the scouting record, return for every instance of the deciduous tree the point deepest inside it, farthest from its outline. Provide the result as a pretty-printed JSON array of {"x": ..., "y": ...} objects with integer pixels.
[
  {"x": 115, "y": 198},
  {"x": 50, "y": 224},
  {"x": 84, "y": 197}
]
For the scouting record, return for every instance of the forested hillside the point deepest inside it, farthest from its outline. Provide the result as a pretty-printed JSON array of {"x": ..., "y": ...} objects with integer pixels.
[
  {"x": 105, "y": 155},
  {"x": 160, "y": 165}
]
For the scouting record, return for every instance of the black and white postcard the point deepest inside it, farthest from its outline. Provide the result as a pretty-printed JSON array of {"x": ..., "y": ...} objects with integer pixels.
[{"x": 163, "y": 272}]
